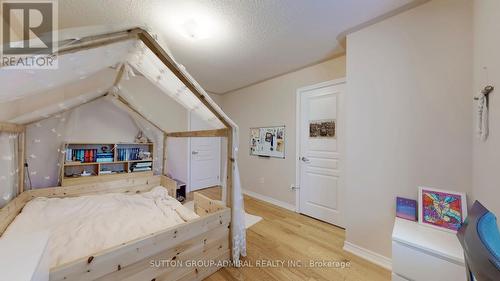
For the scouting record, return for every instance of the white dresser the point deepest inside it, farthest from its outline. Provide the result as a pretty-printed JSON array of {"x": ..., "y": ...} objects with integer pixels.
[{"x": 421, "y": 253}]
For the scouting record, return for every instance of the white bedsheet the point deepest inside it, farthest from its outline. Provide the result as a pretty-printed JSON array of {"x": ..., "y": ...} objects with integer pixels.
[{"x": 82, "y": 226}]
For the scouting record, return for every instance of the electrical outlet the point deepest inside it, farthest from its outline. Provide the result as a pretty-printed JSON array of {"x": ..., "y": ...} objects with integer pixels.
[{"x": 261, "y": 180}]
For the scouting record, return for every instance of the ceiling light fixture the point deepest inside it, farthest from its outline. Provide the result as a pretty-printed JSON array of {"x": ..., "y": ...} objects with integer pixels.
[{"x": 194, "y": 30}]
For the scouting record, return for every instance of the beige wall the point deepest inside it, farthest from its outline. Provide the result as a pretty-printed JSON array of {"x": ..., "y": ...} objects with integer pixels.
[
  {"x": 486, "y": 54},
  {"x": 270, "y": 103},
  {"x": 409, "y": 114}
]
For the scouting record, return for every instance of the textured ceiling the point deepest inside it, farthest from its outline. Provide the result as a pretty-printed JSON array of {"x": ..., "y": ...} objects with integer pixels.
[{"x": 250, "y": 41}]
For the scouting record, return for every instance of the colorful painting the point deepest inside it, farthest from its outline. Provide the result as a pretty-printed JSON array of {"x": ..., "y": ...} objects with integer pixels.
[
  {"x": 442, "y": 209},
  {"x": 406, "y": 208}
]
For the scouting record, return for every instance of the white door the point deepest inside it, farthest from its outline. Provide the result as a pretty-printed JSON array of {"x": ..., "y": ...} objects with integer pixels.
[
  {"x": 320, "y": 153},
  {"x": 204, "y": 155}
]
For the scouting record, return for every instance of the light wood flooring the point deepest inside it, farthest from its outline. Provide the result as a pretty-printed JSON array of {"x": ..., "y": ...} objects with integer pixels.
[{"x": 283, "y": 235}]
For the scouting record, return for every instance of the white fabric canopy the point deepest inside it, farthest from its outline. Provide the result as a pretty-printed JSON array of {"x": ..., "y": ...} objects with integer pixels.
[
  {"x": 72, "y": 67},
  {"x": 146, "y": 62},
  {"x": 83, "y": 65}
]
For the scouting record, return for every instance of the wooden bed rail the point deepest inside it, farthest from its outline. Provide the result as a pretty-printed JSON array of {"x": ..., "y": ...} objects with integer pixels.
[
  {"x": 203, "y": 239},
  {"x": 170, "y": 185},
  {"x": 206, "y": 238},
  {"x": 204, "y": 205}
]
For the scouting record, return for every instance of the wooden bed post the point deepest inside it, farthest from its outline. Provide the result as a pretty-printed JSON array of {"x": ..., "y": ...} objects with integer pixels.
[
  {"x": 22, "y": 152},
  {"x": 21, "y": 131}
]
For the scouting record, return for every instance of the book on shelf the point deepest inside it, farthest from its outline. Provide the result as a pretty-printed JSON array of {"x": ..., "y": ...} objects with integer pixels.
[
  {"x": 81, "y": 155},
  {"x": 144, "y": 169},
  {"x": 143, "y": 164},
  {"x": 69, "y": 154},
  {"x": 104, "y": 157},
  {"x": 128, "y": 154}
]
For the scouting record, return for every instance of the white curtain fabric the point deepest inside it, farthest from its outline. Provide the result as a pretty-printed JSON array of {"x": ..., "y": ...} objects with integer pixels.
[
  {"x": 238, "y": 212},
  {"x": 9, "y": 167},
  {"x": 146, "y": 62}
]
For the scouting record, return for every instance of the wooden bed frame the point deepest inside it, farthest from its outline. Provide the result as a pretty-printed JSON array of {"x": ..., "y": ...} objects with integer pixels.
[
  {"x": 206, "y": 238},
  {"x": 169, "y": 254}
]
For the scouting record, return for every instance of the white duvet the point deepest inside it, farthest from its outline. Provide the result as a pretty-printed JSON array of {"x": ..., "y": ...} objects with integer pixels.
[{"x": 81, "y": 226}]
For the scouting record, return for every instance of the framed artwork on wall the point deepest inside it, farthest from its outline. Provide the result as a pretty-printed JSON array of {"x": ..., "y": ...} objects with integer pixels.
[{"x": 441, "y": 209}]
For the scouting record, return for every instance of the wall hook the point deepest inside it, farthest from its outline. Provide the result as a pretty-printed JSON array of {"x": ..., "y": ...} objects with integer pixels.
[{"x": 486, "y": 91}]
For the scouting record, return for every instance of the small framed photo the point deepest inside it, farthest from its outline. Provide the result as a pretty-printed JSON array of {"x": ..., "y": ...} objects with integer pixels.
[
  {"x": 406, "y": 208},
  {"x": 441, "y": 209}
]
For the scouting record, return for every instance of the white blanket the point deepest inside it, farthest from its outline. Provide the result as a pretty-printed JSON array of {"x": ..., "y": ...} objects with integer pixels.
[{"x": 81, "y": 226}]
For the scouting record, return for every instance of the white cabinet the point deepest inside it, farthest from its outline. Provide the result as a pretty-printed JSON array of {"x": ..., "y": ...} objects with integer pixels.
[{"x": 421, "y": 253}]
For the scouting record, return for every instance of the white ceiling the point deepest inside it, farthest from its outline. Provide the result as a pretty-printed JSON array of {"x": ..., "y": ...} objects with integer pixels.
[{"x": 250, "y": 41}]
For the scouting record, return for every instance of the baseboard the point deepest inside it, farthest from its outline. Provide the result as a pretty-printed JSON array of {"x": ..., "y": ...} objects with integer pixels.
[
  {"x": 269, "y": 200},
  {"x": 368, "y": 255}
]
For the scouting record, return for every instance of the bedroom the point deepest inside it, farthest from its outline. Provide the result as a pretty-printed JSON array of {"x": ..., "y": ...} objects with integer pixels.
[{"x": 229, "y": 107}]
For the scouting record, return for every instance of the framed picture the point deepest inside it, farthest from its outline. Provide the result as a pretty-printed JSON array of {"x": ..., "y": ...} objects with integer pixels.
[
  {"x": 322, "y": 129},
  {"x": 406, "y": 208},
  {"x": 441, "y": 209}
]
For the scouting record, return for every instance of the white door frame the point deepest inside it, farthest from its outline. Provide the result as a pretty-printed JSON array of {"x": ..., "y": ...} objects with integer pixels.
[{"x": 298, "y": 130}]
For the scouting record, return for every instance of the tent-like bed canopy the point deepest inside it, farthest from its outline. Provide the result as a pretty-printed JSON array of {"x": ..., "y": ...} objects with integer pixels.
[{"x": 94, "y": 69}]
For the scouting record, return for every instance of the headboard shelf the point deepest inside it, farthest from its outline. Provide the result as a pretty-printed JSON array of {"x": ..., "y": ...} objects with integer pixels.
[{"x": 93, "y": 159}]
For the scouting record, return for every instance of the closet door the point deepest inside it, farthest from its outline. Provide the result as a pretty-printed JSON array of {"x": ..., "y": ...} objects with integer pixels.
[
  {"x": 320, "y": 158},
  {"x": 204, "y": 157}
]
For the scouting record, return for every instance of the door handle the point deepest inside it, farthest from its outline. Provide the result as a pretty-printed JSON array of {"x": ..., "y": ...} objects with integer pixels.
[
  {"x": 305, "y": 159},
  {"x": 194, "y": 152}
]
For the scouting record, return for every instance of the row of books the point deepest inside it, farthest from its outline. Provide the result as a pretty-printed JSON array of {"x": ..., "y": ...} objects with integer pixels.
[
  {"x": 88, "y": 155},
  {"x": 141, "y": 167},
  {"x": 127, "y": 154},
  {"x": 92, "y": 155}
]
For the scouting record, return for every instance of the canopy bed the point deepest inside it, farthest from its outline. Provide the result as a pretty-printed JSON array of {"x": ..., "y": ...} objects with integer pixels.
[{"x": 84, "y": 215}]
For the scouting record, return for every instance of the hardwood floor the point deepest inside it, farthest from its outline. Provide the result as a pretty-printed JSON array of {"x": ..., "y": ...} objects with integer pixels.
[{"x": 283, "y": 235}]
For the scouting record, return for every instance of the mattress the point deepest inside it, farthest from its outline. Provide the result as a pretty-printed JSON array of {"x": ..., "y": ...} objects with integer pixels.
[{"x": 82, "y": 226}]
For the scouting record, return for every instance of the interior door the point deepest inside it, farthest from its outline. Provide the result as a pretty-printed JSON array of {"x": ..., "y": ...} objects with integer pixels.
[
  {"x": 204, "y": 157},
  {"x": 321, "y": 152}
]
